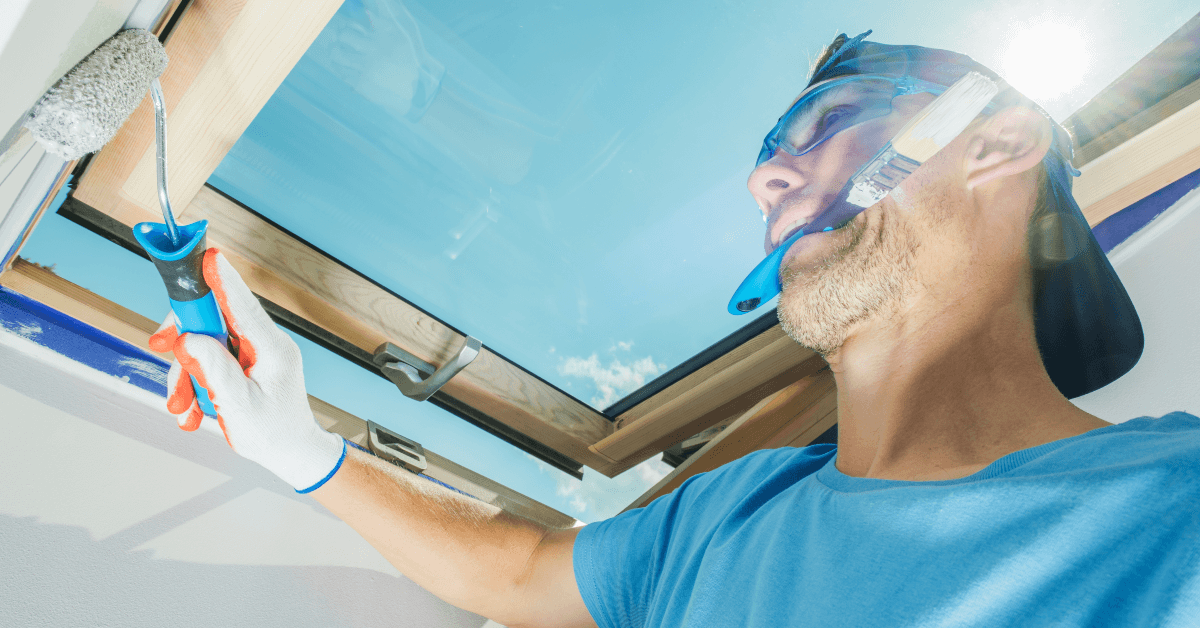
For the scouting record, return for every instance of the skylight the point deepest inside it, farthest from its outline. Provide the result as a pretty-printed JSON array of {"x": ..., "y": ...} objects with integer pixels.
[{"x": 566, "y": 182}]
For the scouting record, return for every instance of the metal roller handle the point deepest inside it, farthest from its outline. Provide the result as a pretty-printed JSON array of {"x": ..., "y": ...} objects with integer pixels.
[{"x": 160, "y": 144}]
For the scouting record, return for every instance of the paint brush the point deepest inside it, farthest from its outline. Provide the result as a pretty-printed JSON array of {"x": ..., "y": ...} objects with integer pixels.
[{"x": 921, "y": 138}]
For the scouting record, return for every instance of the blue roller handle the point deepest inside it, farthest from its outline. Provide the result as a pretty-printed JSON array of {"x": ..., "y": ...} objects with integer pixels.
[{"x": 192, "y": 301}]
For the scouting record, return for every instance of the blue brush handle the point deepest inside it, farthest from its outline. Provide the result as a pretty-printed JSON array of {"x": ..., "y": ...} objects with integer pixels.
[
  {"x": 762, "y": 284},
  {"x": 192, "y": 301}
]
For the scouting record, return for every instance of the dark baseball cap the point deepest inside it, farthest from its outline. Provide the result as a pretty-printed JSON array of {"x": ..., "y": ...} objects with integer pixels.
[{"x": 1088, "y": 331}]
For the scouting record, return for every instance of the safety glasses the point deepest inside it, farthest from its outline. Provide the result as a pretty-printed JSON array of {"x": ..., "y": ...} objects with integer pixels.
[{"x": 828, "y": 108}]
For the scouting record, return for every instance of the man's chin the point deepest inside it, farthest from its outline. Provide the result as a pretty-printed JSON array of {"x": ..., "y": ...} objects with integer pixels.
[
  {"x": 826, "y": 293},
  {"x": 819, "y": 253},
  {"x": 810, "y": 327}
]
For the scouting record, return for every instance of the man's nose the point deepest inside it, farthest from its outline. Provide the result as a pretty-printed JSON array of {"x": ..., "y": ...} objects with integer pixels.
[{"x": 770, "y": 181}]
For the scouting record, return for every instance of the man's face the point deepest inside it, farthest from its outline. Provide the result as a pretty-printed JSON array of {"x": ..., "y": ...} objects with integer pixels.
[{"x": 834, "y": 280}]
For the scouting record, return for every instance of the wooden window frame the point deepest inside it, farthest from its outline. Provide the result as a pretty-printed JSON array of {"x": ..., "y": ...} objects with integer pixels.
[
  {"x": 45, "y": 287},
  {"x": 229, "y": 56}
]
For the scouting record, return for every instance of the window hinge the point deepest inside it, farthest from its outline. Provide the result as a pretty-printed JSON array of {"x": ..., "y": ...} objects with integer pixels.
[{"x": 395, "y": 448}]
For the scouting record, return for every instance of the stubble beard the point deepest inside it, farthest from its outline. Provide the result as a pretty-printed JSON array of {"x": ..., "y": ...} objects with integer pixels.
[{"x": 867, "y": 276}]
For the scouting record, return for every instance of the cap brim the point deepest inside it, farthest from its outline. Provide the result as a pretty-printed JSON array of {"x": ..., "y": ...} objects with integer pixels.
[{"x": 1088, "y": 331}]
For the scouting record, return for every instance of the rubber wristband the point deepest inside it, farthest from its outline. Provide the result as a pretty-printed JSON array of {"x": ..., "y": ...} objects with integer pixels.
[{"x": 331, "y": 472}]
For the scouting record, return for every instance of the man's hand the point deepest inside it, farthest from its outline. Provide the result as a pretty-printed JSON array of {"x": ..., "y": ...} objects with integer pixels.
[
  {"x": 261, "y": 403},
  {"x": 465, "y": 551}
]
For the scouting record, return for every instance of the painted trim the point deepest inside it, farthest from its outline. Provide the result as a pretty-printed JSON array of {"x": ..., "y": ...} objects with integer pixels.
[
  {"x": 1120, "y": 226},
  {"x": 103, "y": 352},
  {"x": 81, "y": 342}
]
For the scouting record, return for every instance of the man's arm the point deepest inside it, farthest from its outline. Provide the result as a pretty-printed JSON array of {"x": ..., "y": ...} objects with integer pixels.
[{"x": 465, "y": 551}]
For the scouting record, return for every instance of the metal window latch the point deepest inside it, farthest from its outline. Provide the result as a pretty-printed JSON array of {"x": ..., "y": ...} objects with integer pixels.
[
  {"x": 405, "y": 370},
  {"x": 395, "y": 448}
]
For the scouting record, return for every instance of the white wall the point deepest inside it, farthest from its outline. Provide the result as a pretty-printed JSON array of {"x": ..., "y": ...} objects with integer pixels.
[
  {"x": 112, "y": 516},
  {"x": 1160, "y": 267}
]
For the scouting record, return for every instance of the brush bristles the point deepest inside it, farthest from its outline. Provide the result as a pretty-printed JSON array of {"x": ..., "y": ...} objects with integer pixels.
[
  {"x": 89, "y": 105},
  {"x": 939, "y": 123}
]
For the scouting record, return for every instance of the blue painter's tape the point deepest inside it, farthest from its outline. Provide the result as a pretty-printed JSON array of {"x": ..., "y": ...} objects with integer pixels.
[
  {"x": 82, "y": 342},
  {"x": 436, "y": 481},
  {"x": 106, "y": 353},
  {"x": 1117, "y": 228}
]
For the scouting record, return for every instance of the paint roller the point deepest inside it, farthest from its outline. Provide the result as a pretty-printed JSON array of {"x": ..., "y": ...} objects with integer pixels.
[{"x": 81, "y": 113}]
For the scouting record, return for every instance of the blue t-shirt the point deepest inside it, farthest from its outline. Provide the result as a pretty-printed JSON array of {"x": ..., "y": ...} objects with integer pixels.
[{"x": 1101, "y": 529}]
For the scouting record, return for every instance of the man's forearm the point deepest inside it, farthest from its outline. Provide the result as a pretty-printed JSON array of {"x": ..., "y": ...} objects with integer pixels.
[{"x": 465, "y": 551}]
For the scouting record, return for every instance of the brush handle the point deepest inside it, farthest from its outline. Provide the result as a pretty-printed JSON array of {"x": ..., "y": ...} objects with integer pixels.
[
  {"x": 762, "y": 284},
  {"x": 192, "y": 301}
]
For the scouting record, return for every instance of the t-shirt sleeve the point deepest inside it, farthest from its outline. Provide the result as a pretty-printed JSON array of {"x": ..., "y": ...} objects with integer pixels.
[{"x": 617, "y": 561}]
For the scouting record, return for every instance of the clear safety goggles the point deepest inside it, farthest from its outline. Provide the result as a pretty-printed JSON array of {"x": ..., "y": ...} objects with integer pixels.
[
  {"x": 822, "y": 111},
  {"x": 828, "y": 108}
]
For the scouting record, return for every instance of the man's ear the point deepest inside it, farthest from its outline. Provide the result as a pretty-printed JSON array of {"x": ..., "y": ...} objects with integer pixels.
[{"x": 1009, "y": 142}]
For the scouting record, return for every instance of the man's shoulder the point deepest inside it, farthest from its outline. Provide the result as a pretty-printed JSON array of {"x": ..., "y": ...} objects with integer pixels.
[
  {"x": 1171, "y": 441},
  {"x": 1174, "y": 430},
  {"x": 757, "y": 471}
]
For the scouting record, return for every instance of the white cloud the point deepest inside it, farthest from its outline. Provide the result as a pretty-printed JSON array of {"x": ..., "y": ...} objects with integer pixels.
[
  {"x": 652, "y": 470},
  {"x": 624, "y": 346},
  {"x": 613, "y": 381},
  {"x": 597, "y": 497}
]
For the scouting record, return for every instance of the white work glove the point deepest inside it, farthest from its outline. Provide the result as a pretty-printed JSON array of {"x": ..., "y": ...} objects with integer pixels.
[{"x": 261, "y": 403}]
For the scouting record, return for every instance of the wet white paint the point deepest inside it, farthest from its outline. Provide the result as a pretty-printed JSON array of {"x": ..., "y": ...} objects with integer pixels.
[
  {"x": 29, "y": 331},
  {"x": 146, "y": 369}
]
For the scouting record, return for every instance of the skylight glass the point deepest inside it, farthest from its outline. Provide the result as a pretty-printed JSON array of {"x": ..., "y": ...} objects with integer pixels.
[{"x": 565, "y": 181}]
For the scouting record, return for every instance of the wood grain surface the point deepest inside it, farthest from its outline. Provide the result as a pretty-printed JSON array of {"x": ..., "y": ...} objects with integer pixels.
[
  {"x": 726, "y": 387},
  {"x": 1140, "y": 166},
  {"x": 1138, "y": 123},
  {"x": 799, "y": 408},
  {"x": 42, "y": 285},
  {"x": 227, "y": 57},
  {"x": 296, "y": 277}
]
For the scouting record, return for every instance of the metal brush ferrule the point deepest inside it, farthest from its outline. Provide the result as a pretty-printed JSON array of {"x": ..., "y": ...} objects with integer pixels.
[{"x": 883, "y": 173}]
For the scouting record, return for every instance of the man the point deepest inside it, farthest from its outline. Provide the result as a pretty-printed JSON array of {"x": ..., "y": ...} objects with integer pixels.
[{"x": 958, "y": 315}]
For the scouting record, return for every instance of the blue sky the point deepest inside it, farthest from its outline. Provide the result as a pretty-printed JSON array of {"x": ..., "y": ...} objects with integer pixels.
[{"x": 565, "y": 180}]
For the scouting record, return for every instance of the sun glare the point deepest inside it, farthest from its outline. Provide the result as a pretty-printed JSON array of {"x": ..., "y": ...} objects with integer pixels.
[{"x": 1045, "y": 59}]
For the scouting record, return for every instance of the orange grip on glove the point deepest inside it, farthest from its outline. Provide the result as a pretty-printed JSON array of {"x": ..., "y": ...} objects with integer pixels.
[{"x": 261, "y": 403}]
